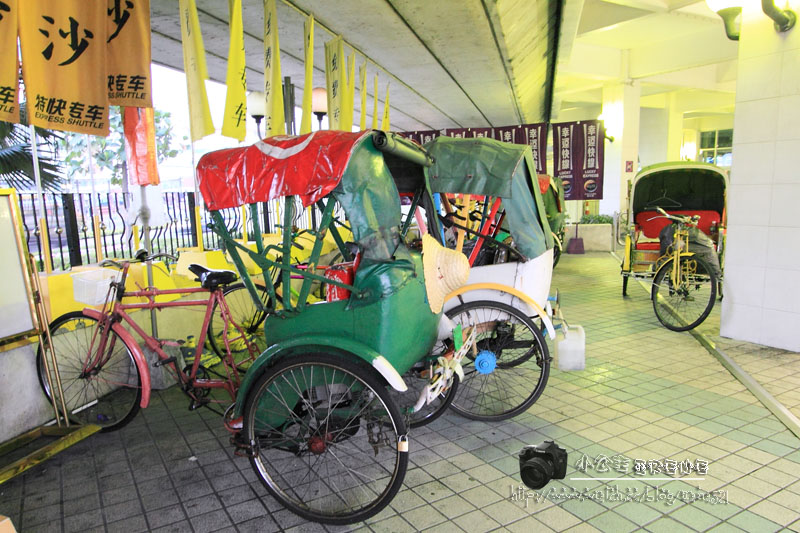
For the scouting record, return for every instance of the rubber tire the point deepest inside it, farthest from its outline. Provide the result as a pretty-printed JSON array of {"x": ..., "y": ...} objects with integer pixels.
[
  {"x": 368, "y": 376},
  {"x": 69, "y": 380},
  {"x": 514, "y": 366},
  {"x": 624, "y": 285},
  {"x": 236, "y": 307},
  {"x": 663, "y": 272}
]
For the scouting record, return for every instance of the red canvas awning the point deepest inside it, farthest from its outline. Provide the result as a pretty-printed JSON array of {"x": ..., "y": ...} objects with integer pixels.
[{"x": 309, "y": 166}]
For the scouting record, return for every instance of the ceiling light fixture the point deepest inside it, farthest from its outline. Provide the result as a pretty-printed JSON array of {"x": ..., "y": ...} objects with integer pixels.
[
  {"x": 257, "y": 106},
  {"x": 319, "y": 103},
  {"x": 728, "y": 11},
  {"x": 784, "y": 18}
]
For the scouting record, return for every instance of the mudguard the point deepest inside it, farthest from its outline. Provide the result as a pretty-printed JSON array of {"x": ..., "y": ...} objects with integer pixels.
[
  {"x": 318, "y": 343},
  {"x": 136, "y": 351},
  {"x": 548, "y": 323}
]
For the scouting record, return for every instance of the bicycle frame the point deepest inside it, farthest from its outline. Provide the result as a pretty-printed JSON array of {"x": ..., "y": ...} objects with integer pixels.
[{"x": 117, "y": 315}]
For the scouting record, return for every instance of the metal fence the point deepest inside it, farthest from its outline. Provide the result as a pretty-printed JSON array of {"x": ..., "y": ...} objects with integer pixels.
[{"x": 75, "y": 239}]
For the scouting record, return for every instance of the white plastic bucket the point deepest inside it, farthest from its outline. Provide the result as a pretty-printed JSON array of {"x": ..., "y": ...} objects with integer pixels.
[{"x": 571, "y": 348}]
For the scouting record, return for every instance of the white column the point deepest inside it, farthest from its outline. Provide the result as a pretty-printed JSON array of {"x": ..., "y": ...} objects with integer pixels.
[
  {"x": 621, "y": 118},
  {"x": 674, "y": 127},
  {"x": 762, "y": 263}
]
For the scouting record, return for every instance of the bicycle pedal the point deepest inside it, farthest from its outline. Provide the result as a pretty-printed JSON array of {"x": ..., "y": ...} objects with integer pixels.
[
  {"x": 197, "y": 404},
  {"x": 162, "y": 362}
]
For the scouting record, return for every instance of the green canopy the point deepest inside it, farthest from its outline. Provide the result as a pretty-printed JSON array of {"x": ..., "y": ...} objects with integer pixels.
[{"x": 487, "y": 167}]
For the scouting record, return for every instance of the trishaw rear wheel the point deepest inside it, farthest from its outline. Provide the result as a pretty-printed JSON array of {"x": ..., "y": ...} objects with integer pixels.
[
  {"x": 327, "y": 440},
  {"x": 511, "y": 367},
  {"x": 684, "y": 304},
  {"x": 244, "y": 313}
]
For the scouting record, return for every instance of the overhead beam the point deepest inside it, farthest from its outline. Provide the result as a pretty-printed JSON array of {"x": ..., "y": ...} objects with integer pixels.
[
  {"x": 699, "y": 49},
  {"x": 490, "y": 8}
]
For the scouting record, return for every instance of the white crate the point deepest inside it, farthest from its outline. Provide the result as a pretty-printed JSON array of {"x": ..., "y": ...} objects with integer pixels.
[{"x": 91, "y": 287}]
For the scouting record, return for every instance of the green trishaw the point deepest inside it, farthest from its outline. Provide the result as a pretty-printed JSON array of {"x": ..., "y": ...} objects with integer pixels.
[
  {"x": 315, "y": 411},
  {"x": 493, "y": 211}
]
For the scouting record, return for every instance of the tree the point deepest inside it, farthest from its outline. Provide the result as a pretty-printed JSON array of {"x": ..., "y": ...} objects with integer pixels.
[
  {"x": 109, "y": 152},
  {"x": 16, "y": 158}
]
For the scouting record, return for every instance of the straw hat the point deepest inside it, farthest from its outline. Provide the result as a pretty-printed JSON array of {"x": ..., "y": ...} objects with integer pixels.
[{"x": 445, "y": 271}]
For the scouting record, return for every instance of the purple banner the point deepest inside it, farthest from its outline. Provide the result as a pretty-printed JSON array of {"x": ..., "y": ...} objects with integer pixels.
[
  {"x": 578, "y": 158},
  {"x": 421, "y": 136},
  {"x": 534, "y": 135},
  {"x": 458, "y": 133},
  {"x": 480, "y": 132},
  {"x": 592, "y": 159}
]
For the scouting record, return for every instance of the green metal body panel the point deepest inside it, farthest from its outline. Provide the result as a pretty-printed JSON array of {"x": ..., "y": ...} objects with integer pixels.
[{"x": 399, "y": 326}]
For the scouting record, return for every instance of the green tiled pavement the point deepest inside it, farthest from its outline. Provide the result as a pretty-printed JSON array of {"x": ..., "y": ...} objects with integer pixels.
[{"x": 647, "y": 393}]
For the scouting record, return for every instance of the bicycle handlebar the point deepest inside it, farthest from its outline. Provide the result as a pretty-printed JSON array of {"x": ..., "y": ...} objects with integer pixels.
[
  {"x": 117, "y": 264},
  {"x": 688, "y": 220},
  {"x": 111, "y": 262}
]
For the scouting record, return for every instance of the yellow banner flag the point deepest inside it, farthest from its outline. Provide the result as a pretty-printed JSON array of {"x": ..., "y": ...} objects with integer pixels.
[
  {"x": 375, "y": 104},
  {"x": 234, "y": 120},
  {"x": 308, "y": 89},
  {"x": 194, "y": 65},
  {"x": 273, "y": 85},
  {"x": 9, "y": 63},
  {"x": 128, "y": 74},
  {"x": 334, "y": 79},
  {"x": 350, "y": 93},
  {"x": 64, "y": 64},
  {"x": 385, "y": 120},
  {"x": 362, "y": 74}
]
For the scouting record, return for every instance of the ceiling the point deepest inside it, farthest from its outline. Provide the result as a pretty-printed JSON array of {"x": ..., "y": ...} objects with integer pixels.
[{"x": 478, "y": 63}]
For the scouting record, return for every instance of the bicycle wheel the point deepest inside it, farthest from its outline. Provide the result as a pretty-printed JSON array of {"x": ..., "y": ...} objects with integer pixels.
[
  {"x": 106, "y": 394},
  {"x": 512, "y": 365},
  {"x": 244, "y": 313},
  {"x": 683, "y": 304},
  {"x": 326, "y": 438},
  {"x": 406, "y": 400}
]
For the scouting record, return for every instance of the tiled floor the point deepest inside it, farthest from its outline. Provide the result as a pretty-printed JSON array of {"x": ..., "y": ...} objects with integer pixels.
[{"x": 647, "y": 393}]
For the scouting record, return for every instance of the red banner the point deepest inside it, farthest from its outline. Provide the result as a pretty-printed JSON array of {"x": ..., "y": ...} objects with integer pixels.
[
  {"x": 578, "y": 158},
  {"x": 140, "y": 145}
]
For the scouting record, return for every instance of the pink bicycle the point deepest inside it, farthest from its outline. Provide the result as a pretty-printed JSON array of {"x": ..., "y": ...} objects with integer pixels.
[{"x": 104, "y": 372}]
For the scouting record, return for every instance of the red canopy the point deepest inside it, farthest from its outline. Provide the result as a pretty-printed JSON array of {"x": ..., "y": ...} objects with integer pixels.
[{"x": 309, "y": 166}]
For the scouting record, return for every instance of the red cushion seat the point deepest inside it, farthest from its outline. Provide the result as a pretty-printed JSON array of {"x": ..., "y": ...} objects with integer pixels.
[
  {"x": 648, "y": 245},
  {"x": 650, "y": 223}
]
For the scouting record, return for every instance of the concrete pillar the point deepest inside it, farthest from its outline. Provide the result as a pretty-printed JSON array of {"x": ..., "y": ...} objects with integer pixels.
[
  {"x": 621, "y": 118},
  {"x": 762, "y": 262},
  {"x": 674, "y": 127}
]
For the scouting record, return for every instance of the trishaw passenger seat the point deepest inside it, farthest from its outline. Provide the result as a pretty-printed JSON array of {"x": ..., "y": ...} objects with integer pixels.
[
  {"x": 651, "y": 222},
  {"x": 211, "y": 279}
]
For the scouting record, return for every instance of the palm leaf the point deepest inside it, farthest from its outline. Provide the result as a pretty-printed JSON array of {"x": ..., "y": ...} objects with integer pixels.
[{"x": 16, "y": 158}]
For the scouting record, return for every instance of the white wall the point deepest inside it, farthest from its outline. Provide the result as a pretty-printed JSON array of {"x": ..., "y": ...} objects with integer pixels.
[
  {"x": 653, "y": 127},
  {"x": 762, "y": 264},
  {"x": 23, "y": 405}
]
